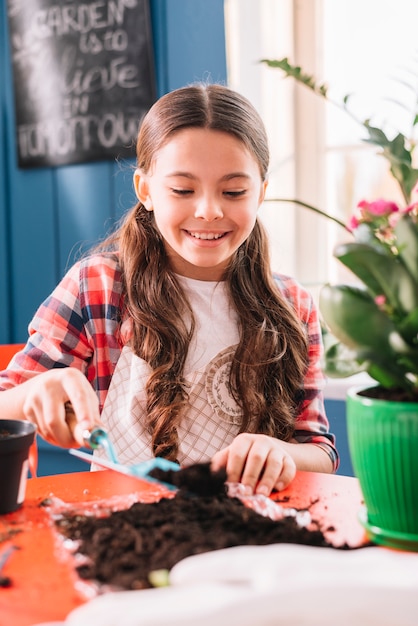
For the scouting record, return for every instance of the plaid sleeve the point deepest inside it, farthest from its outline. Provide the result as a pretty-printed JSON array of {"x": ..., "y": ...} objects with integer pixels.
[
  {"x": 76, "y": 326},
  {"x": 312, "y": 425}
]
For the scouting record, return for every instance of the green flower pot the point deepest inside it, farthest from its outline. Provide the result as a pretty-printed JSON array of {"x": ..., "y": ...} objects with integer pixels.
[{"x": 383, "y": 443}]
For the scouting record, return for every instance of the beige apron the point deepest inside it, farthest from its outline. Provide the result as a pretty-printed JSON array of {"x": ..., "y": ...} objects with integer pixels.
[{"x": 211, "y": 421}]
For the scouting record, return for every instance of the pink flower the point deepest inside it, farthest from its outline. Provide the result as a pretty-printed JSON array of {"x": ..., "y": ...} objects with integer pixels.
[
  {"x": 394, "y": 219},
  {"x": 412, "y": 208},
  {"x": 377, "y": 208},
  {"x": 353, "y": 223},
  {"x": 380, "y": 300}
]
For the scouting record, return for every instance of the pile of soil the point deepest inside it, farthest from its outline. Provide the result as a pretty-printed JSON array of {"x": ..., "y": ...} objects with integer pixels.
[{"x": 125, "y": 547}]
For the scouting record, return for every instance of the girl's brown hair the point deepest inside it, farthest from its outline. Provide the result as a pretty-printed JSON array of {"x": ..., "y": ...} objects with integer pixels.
[{"x": 271, "y": 358}]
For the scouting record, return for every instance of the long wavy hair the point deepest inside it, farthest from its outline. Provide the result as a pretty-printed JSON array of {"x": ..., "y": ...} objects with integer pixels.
[{"x": 270, "y": 361}]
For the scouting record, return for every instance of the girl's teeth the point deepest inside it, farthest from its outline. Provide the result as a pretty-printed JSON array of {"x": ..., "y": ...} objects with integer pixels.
[{"x": 206, "y": 235}]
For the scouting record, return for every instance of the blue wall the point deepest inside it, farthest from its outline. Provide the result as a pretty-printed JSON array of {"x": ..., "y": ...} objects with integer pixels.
[
  {"x": 337, "y": 414},
  {"x": 47, "y": 215}
]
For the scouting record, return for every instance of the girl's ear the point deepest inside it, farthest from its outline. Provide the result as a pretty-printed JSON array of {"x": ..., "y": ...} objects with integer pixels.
[
  {"x": 142, "y": 189},
  {"x": 262, "y": 192}
]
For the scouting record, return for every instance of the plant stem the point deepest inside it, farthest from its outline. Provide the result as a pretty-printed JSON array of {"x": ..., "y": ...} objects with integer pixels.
[{"x": 311, "y": 208}]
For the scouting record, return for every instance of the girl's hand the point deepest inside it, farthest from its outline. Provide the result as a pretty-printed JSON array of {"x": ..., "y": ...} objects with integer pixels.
[
  {"x": 44, "y": 405},
  {"x": 260, "y": 462}
]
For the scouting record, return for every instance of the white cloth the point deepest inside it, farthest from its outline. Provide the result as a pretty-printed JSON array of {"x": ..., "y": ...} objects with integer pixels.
[
  {"x": 273, "y": 585},
  {"x": 213, "y": 417}
]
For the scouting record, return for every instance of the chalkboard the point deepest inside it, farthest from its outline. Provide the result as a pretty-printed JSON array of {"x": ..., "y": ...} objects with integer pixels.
[{"x": 83, "y": 75}]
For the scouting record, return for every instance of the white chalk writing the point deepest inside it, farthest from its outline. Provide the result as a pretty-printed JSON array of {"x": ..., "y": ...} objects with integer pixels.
[
  {"x": 83, "y": 77},
  {"x": 80, "y": 133},
  {"x": 58, "y": 20}
]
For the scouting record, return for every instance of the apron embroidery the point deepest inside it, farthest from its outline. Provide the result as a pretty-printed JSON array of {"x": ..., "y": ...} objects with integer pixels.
[{"x": 210, "y": 423}]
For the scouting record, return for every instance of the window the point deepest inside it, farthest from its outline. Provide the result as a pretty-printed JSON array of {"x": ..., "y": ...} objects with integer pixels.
[{"x": 367, "y": 49}]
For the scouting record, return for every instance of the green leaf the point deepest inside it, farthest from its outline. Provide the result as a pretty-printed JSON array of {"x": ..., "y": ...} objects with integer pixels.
[
  {"x": 408, "y": 328},
  {"x": 398, "y": 155},
  {"x": 398, "y": 151},
  {"x": 355, "y": 320},
  {"x": 296, "y": 72},
  {"x": 340, "y": 361},
  {"x": 406, "y": 352},
  {"x": 410, "y": 180},
  {"x": 407, "y": 240},
  {"x": 393, "y": 149},
  {"x": 386, "y": 377},
  {"x": 382, "y": 273}
]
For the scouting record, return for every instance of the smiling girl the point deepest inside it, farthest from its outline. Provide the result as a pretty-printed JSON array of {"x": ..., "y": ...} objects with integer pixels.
[{"x": 175, "y": 334}]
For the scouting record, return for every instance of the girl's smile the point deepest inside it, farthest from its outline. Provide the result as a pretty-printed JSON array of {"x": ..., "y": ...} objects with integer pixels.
[
  {"x": 207, "y": 239},
  {"x": 206, "y": 209}
]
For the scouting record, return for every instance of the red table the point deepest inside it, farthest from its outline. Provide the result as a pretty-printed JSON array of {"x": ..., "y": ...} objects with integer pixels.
[{"x": 43, "y": 583}]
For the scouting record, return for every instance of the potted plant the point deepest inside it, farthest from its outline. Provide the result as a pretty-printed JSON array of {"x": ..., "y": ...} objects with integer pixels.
[{"x": 375, "y": 325}]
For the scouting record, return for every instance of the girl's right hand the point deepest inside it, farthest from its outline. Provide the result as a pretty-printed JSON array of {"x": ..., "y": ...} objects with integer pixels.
[
  {"x": 47, "y": 395},
  {"x": 259, "y": 462}
]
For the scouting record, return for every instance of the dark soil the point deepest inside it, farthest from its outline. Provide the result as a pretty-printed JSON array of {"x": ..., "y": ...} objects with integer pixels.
[
  {"x": 125, "y": 547},
  {"x": 391, "y": 395},
  {"x": 6, "y": 434}
]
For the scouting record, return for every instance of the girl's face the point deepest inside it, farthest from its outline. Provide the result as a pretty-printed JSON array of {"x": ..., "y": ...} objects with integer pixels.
[{"x": 205, "y": 188}]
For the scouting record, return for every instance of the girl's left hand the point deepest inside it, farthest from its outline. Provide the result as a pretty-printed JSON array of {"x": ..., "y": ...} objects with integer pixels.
[{"x": 260, "y": 462}]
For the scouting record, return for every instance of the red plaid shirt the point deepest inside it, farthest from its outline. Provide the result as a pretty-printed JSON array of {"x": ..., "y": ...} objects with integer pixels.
[{"x": 79, "y": 326}]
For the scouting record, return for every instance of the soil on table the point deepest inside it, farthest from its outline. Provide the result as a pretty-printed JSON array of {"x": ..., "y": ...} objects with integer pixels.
[{"x": 123, "y": 548}]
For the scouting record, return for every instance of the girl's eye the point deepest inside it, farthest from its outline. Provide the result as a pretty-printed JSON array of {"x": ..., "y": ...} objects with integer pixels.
[
  {"x": 182, "y": 192},
  {"x": 235, "y": 194}
]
